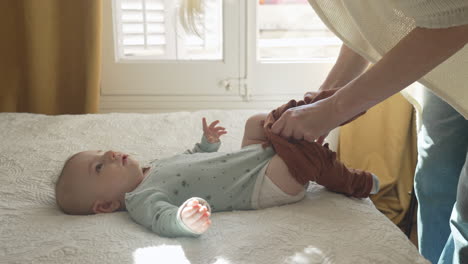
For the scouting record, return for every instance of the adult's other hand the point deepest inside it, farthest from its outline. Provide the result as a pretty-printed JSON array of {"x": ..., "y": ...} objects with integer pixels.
[
  {"x": 313, "y": 121},
  {"x": 307, "y": 122}
]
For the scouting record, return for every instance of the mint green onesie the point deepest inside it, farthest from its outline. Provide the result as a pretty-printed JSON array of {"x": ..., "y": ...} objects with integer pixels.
[{"x": 225, "y": 180}]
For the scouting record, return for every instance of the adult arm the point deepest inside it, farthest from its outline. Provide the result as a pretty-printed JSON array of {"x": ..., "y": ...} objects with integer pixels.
[
  {"x": 412, "y": 58},
  {"x": 348, "y": 66},
  {"x": 415, "y": 55}
]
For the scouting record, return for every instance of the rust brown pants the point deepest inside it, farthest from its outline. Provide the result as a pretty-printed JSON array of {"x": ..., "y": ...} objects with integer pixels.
[{"x": 308, "y": 161}]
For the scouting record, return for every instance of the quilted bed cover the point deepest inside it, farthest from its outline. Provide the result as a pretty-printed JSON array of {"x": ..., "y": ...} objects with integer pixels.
[{"x": 323, "y": 228}]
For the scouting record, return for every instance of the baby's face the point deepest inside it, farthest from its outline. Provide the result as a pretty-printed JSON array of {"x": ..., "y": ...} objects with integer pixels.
[{"x": 108, "y": 175}]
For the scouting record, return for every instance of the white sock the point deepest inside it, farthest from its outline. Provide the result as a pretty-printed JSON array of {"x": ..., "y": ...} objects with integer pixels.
[{"x": 375, "y": 184}]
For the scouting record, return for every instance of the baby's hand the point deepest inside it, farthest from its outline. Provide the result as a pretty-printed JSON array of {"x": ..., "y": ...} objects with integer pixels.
[
  {"x": 196, "y": 216},
  {"x": 212, "y": 132}
]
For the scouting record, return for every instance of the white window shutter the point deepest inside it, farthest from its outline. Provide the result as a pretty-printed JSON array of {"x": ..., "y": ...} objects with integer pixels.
[
  {"x": 143, "y": 29},
  {"x": 150, "y": 30}
]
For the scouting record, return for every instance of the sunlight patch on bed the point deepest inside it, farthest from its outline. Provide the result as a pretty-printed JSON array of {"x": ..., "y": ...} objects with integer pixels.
[
  {"x": 220, "y": 260},
  {"x": 309, "y": 255},
  {"x": 161, "y": 254},
  {"x": 165, "y": 254}
]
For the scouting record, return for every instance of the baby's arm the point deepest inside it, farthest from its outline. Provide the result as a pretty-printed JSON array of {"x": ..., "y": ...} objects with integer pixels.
[
  {"x": 195, "y": 215},
  {"x": 165, "y": 219},
  {"x": 212, "y": 132},
  {"x": 210, "y": 140}
]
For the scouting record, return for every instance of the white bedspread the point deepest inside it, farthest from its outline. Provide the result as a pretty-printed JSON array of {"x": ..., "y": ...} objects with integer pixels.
[{"x": 323, "y": 228}]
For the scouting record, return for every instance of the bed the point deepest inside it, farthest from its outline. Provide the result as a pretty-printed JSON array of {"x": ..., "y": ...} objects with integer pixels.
[{"x": 323, "y": 228}]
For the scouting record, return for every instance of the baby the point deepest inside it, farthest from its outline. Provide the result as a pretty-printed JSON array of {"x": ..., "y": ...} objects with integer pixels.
[{"x": 175, "y": 196}]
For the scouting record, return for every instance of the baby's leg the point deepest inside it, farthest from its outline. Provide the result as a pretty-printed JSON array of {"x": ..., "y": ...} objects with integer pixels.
[
  {"x": 253, "y": 133},
  {"x": 278, "y": 173}
]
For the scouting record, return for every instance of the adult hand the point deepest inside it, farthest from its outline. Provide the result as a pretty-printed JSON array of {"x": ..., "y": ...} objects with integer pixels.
[
  {"x": 311, "y": 97},
  {"x": 196, "y": 216},
  {"x": 307, "y": 122},
  {"x": 212, "y": 132},
  {"x": 313, "y": 121}
]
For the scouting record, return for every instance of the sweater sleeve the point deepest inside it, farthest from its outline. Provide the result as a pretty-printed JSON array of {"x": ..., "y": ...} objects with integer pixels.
[
  {"x": 204, "y": 146},
  {"x": 153, "y": 210},
  {"x": 436, "y": 13}
]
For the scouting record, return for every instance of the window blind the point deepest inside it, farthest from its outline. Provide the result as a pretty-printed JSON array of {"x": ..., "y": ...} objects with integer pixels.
[{"x": 150, "y": 29}]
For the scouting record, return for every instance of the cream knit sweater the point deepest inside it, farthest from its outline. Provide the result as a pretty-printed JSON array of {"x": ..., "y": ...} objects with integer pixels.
[{"x": 373, "y": 27}]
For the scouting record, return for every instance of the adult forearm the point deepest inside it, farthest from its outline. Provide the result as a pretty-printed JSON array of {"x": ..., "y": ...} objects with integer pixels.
[
  {"x": 348, "y": 66},
  {"x": 414, "y": 56}
]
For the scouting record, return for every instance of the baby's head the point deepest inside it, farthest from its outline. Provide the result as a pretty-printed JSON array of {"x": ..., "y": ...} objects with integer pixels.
[{"x": 96, "y": 182}]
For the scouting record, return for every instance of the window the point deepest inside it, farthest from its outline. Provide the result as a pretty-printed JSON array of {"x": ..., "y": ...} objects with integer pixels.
[
  {"x": 290, "y": 30},
  {"x": 290, "y": 50},
  {"x": 248, "y": 54}
]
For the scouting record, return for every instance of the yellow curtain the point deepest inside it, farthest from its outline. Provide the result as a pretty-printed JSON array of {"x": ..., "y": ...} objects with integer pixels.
[
  {"x": 50, "y": 52},
  {"x": 383, "y": 141}
]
